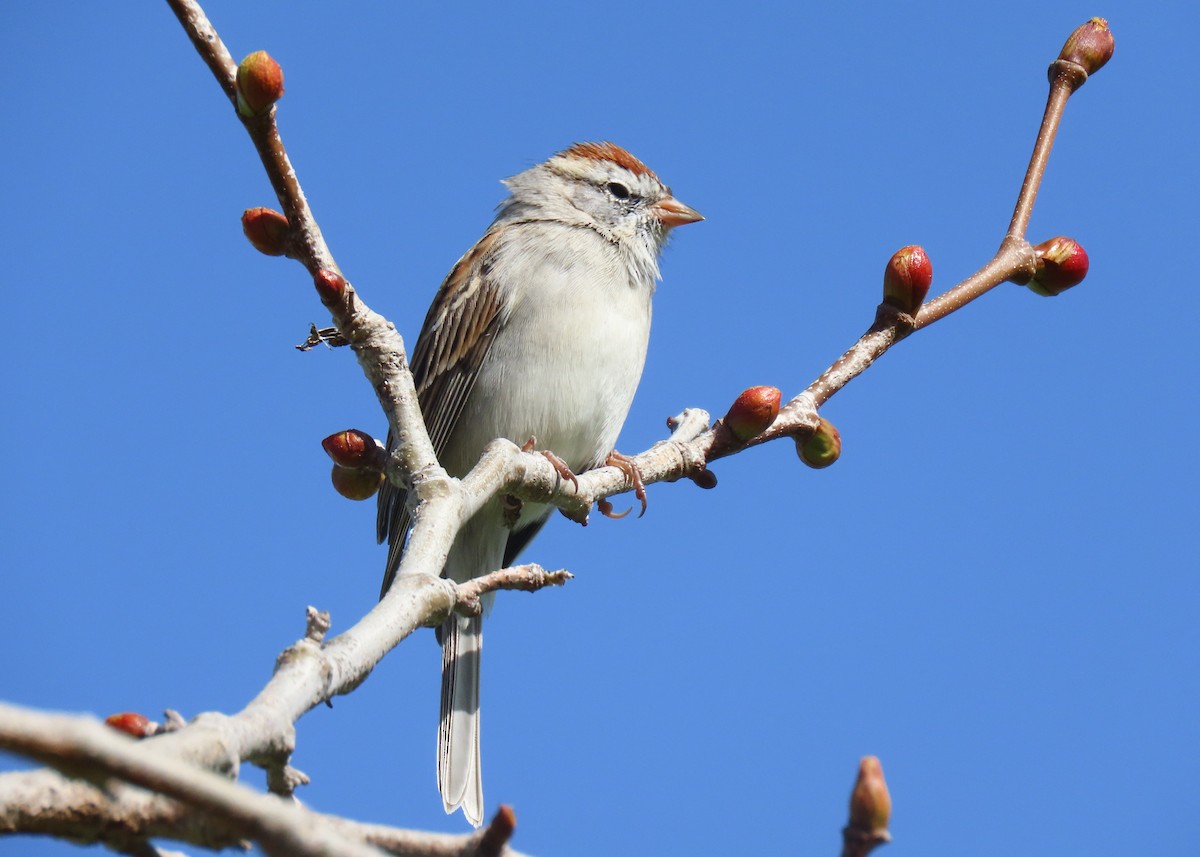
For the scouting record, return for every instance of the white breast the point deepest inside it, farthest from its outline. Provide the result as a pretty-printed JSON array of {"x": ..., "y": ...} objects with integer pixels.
[{"x": 569, "y": 354}]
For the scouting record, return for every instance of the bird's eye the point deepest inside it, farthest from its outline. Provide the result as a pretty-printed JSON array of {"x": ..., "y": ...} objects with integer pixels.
[{"x": 618, "y": 190}]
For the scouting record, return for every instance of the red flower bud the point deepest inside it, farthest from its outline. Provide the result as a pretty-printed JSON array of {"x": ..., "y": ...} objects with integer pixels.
[
  {"x": 752, "y": 411},
  {"x": 354, "y": 448},
  {"x": 355, "y": 483},
  {"x": 266, "y": 229},
  {"x": 331, "y": 286},
  {"x": 1090, "y": 46},
  {"x": 822, "y": 448},
  {"x": 1062, "y": 263},
  {"x": 259, "y": 84},
  {"x": 906, "y": 279},
  {"x": 131, "y": 723},
  {"x": 870, "y": 803}
]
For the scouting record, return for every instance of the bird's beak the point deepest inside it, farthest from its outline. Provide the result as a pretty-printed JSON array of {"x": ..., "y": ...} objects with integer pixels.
[{"x": 671, "y": 213}]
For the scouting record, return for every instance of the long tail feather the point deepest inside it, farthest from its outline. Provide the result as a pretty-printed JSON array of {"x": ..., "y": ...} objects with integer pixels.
[{"x": 459, "y": 777}]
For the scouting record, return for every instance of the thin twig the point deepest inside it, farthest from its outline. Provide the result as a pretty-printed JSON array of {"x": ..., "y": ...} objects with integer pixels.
[
  {"x": 1056, "y": 103},
  {"x": 208, "y": 44}
]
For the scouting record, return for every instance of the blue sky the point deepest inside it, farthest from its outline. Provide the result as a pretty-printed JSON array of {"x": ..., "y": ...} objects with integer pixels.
[{"x": 994, "y": 590}]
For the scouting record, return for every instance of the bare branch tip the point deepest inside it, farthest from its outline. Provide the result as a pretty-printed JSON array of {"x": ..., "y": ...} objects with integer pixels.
[
  {"x": 317, "y": 624},
  {"x": 559, "y": 577},
  {"x": 688, "y": 424},
  {"x": 173, "y": 721}
]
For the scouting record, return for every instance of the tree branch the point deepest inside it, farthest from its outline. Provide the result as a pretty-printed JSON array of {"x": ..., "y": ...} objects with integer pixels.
[{"x": 93, "y": 756}]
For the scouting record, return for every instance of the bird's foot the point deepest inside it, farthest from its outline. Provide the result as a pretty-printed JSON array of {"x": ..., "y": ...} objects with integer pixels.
[
  {"x": 633, "y": 476},
  {"x": 560, "y": 467}
]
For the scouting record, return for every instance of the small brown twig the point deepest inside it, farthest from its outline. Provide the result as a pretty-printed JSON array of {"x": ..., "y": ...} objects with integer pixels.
[
  {"x": 1056, "y": 103},
  {"x": 208, "y": 44}
]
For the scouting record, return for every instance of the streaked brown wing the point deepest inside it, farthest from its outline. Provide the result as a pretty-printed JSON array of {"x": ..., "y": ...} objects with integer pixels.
[{"x": 458, "y": 332}]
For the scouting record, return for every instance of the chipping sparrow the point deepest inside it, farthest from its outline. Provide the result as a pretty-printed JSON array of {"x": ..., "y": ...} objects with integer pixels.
[{"x": 540, "y": 330}]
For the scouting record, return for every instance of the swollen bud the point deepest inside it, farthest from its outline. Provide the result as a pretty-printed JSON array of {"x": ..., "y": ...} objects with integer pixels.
[
  {"x": 266, "y": 229},
  {"x": 752, "y": 411},
  {"x": 354, "y": 448},
  {"x": 331, "y": 286},
  {"x": 356, "y": 483},
  {"x": 906, "y": 279},
  {"x": 131, "y": 723},
  {"x": 1061, "y": 264},
  {"x": 1090, "y": 46},
  {"x": 821, "y": 449},
  {"x": 870, "y": 803},
  {"x": 358, "y": 462},
  {"x": 259, "y": 84}
]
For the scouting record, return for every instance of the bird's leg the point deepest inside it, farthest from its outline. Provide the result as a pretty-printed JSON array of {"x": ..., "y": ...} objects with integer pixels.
[{"x": 632, "y": 475}]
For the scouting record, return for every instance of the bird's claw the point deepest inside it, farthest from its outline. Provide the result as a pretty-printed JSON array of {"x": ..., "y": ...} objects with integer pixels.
[
  {"x": 606, "y": 509},
  {"x": 561, "y": 468}
]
